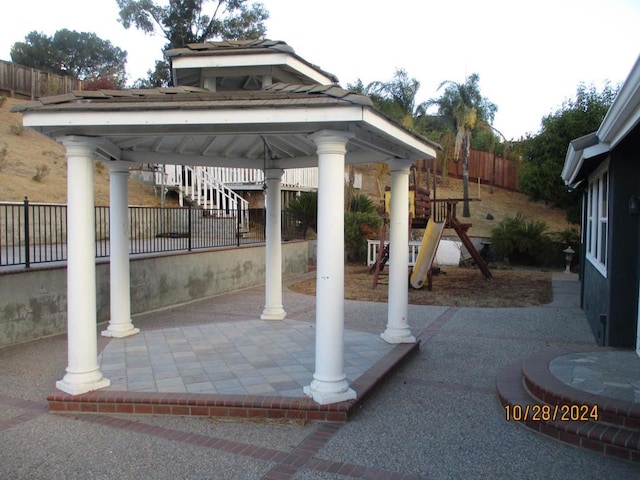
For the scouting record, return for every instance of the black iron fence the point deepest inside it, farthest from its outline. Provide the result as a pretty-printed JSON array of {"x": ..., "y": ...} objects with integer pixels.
[{"x": 37, "y": 233}]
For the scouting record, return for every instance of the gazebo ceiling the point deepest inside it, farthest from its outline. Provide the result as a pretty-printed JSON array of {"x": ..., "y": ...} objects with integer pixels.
[{"x": 190, "y": 125}]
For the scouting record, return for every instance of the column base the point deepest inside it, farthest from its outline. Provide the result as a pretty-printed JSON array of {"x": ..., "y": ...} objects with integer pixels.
[
  {"x": 326, "y": 393},
  {"x": 79, "y": 383},
  {"x": 273, "y": 314},
  {"x": 398, "y": 336},
  {"x": 120, "y": 332}
]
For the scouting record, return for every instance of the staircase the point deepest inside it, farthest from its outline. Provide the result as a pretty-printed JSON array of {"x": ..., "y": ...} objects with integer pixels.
[
  {"x": 537, "y": 399},
  {"x": 200, "y": 186}
]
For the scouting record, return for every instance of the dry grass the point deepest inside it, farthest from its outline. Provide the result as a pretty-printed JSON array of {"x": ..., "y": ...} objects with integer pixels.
[
  {"x": 500, "y": 204},
  {"x": 24, "y": 151},
  {"x": 460, "y": 287},
  {"x": 27, "y": 155}
]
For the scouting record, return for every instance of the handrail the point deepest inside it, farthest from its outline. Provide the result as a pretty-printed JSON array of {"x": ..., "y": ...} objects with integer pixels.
[{"x": 32, "y": 233}]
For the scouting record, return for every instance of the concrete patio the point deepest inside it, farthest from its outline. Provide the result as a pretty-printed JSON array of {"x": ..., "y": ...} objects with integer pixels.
[{"x": 435, "y": 416}]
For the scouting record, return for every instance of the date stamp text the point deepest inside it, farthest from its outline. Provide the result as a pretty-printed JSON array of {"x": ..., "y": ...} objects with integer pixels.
[{"x": 544, "y": 413}]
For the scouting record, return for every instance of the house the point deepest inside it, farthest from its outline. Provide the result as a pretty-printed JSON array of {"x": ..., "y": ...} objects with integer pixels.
[
  {"x": 604, "y": 166},
  {"x": 289, "y": 115}
]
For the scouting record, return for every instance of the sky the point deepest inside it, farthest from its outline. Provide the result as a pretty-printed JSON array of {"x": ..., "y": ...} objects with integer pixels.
[{"x": 530, "y": 56}]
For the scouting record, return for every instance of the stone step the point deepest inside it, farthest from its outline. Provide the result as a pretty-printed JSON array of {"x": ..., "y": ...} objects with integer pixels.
[
  {"x": 545, "y": 386},
  {"x": 537, "y": 410}
]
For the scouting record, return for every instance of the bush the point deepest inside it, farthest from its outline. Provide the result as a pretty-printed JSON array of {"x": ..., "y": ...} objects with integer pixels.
[
  {"x": 358, "y": 228},
  {"x": 16, "y": 128},
  {"x": 42, "y": 171},
  {"x": 3, "y": 155},
  {"x": 304, "y": 209},
  {"x": 570, "y": 237},
  {"x": 360, "y": 202},
  {"x": 522, "y": 241}
]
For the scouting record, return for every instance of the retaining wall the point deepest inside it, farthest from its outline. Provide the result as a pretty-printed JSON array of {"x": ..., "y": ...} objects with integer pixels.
[{"x": 33, "y": 302}]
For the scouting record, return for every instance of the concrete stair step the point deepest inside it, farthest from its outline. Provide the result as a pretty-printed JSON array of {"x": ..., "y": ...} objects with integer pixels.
[{"x": 529, "y": 392}]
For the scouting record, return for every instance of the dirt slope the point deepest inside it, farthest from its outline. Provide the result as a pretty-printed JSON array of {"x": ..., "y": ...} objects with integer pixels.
[
  {"x": 28, "y": 152},
  {"x": 499, "y": 204},
  {"x": 33, "y": 165}
]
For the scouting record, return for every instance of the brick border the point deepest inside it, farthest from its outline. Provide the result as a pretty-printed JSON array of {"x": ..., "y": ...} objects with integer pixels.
[
  {"x": 31, "y": 410},
  {"x": 287, "y": 464},
  {"x": 609, "y": 439},
  {"x": 247, "y": 406},
  {"x": 545, "y": 386}
]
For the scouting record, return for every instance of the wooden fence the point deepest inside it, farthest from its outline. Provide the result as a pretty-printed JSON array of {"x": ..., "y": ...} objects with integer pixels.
[
  {"x": 488, "y": 168},
  {"x": 20, "y": 81}
]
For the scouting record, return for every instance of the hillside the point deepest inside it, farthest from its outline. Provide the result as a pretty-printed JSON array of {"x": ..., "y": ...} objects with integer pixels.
[
  {"x": 500, "y": 204},
  {"x": 28, "y": 152},
  {"x": 29, "y": 155}
]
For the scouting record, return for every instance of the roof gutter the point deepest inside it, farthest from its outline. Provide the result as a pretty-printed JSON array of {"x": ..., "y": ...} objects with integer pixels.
[{"x": 621, "y": 118}]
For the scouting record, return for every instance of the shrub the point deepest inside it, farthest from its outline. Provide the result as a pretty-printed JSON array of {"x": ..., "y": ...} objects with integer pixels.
[
  {"x": 304, "y": 209},
  {"x": 569, "y": 237},
  {"x": 42, "y": 171},
  {"x": 2, "y": 100},
  {"x": 3, "y": 155},
  {"x": 522, "y": 241},
  {"x": 50, "y": 87},
  {"x": 360, "y": 202},
  {"x": 17, "y": 128},
  {"x": 358, "y": 228}
]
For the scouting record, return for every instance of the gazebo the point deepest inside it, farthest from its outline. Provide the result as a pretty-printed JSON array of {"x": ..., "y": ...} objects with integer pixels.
[{"x": 249, "y": 104}]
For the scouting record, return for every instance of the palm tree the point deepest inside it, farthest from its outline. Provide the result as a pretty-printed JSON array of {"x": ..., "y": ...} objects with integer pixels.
[
  {"x": 468, "y": 108},
  {"x": 397, "y": 97}
]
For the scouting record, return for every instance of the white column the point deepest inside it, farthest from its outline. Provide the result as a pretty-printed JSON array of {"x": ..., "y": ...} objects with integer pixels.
[
  {"x": 273, "y": 309},
  {"x": 120, "y": 324},
  {"x": 83, "y": 373},
  {"x": 397, "y": 324},
  {"x": 329, "y": 383}
]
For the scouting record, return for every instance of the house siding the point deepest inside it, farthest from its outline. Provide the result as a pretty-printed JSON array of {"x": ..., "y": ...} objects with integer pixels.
[
  {"x": 596, "y": 301},
  {"x": 611, "y": 303},
  {"x": 624, "y": 247}
]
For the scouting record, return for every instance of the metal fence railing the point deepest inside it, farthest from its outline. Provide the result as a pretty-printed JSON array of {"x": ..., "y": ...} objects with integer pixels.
[{"x": 37, "y": 233}]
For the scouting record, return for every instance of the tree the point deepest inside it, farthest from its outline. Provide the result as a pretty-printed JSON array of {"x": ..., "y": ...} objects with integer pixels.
[
  {"x": 189, "y": 21},
  {"x": 468, "y": 108},
  {"x": 304, "y": 209},
  {"x": 361, "y": 223},
  {"x": 160, "y": 76},
  {"x": 79, "y": 54},
  {"x": 397, "y": 98},
  {"x": 544, "y": 154}
]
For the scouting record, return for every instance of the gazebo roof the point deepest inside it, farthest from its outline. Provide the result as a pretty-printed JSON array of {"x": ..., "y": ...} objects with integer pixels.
[
  {"x": 192, "y": 125},
  {"x": 245, "y": 57}
]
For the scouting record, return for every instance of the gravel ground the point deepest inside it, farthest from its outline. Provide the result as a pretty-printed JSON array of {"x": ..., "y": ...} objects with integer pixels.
[{"x": 436, "y": 417}]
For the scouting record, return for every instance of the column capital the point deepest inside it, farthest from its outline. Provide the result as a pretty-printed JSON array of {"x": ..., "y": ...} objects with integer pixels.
[
  {"x": 331, "y": 141},
  {"x": 271, "y": 173},
  {"x": 399, "y": 164},
  {"x": 79, "y": 144},
  {"x": 119, "y": 167}
]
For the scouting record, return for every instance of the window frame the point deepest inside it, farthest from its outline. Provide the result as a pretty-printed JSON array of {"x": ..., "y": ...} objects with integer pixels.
[{"x": 597, "y": 218}]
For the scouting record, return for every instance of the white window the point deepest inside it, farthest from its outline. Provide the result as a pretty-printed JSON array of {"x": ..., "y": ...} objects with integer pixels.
[{"x": 598, "y": 219}]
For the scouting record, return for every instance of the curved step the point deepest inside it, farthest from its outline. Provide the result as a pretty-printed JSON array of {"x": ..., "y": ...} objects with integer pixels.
[
  {"x": 546, "y": 387},
  {"x": 597, "y": 435}
]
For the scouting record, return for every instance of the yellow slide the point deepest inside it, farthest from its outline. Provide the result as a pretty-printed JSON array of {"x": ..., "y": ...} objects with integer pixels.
[{"x": 427, "y": 252}]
